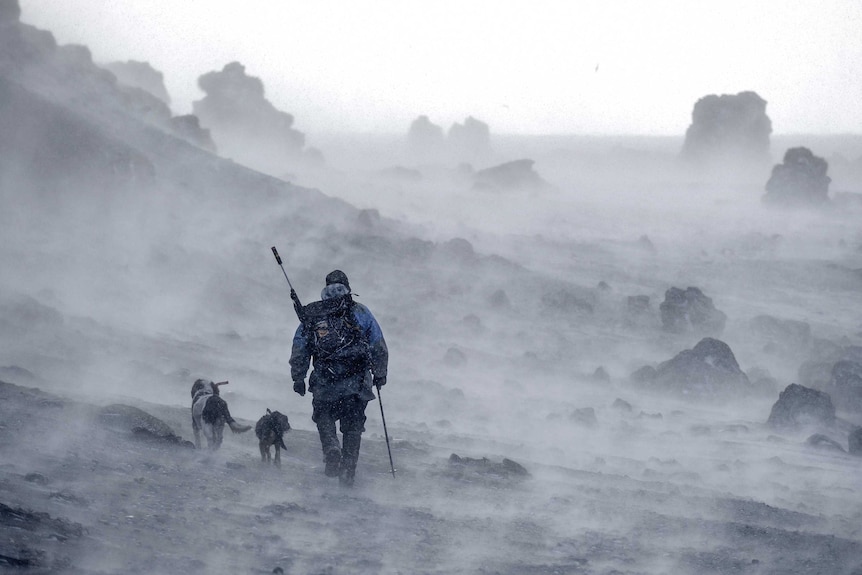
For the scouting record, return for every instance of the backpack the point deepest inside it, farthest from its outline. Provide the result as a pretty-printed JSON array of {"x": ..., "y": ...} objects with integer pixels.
[{"x": 339, "y": 346}]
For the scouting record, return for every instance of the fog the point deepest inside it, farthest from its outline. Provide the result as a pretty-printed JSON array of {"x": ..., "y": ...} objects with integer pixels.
[{"x": 135, "y": 261}]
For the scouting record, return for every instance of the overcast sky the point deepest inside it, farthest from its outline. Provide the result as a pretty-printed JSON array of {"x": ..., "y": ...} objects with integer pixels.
[{"x": 585, "y": 67}]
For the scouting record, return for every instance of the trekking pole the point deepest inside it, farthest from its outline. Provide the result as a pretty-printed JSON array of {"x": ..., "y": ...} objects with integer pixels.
[
  {"x": 385, "y": 433},
  {"x": 296, "y": 305}
]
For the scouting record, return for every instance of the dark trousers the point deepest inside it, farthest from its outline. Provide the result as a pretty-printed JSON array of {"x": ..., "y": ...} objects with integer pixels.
[{"x": 350, "y": 413}]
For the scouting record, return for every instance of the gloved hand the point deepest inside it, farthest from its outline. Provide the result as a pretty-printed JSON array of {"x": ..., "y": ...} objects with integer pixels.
[
  {"x": 299, "y": 386},
  {"x": 379, "y": 382}
]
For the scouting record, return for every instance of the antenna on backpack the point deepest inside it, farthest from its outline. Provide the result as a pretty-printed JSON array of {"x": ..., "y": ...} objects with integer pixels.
[{"x": 296, "y": 305}]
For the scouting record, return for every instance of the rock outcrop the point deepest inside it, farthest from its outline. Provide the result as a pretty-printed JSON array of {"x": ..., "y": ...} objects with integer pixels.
[
  {"x": 728, "y": 129},
  {"x": 690, "y": 310},
  {"x": 800, "y": 180},
  {"x": 800, "y": 406},
  {"x": 708, "y": 370}
]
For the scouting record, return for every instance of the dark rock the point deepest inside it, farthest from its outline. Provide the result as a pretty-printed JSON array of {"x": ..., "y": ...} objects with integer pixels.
[
  {"x": 601, "y": 375},
  {"x": 455, "y": 357},
  {"x": 709, "y": 369},
  {"x": 425, "y": 141},
  {"x": 728, "y": 129},
  {"x": 564, "y": 300},
  {"x": 817, "y": 371},
  {"x": 506, "y": 468},
  {"x": 139, "y": 423},
  {"x": 690, "y": 310},
  {"x": 141, "y": 75},
  {"x": 515, "y": 175},
  {"x": 188, "y": 127},
  {"x": 10, "y": 11},
  {"x": 622, "y": 405},
  {"x": 854, "y": 442},
  {"x": 823, "y": 442},
  {"x": 499, "y": 299},
  {"x": 37, "y": 478},
  {"x": 643, "y": 375},
  {"x": 584, "y": 416},
  {"x": 798, "y": 406},
  {"x": 800, "y": 181},
  {"x": 244, "y": 124},
  {"x": 470, "y": 141}
]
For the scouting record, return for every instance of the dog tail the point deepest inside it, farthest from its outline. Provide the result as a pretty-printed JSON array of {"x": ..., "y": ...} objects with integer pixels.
[{"x": 237, "y": 428}]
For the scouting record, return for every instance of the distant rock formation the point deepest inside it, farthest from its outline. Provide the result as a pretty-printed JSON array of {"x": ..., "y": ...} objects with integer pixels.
[
  {"x": 189, "y": 128},
  {"x": 728, "y": 129},
  {"x": 800, "y": 180},
  {"x": 690, "y": 310},
  {"x": 141, "y": 75},
  {"x": 837, "y": 371},
  {"x": 425, "y": 141},
  {"x": 708, "y": 370},
  {"x": 465, "y": 143},
  {"x": 470, "y": 141},
  {"x": 10, "y": 11},
  {"x": 244, "y": 124},
  {"x": 799, "y": 406},
  {"x": 515, "y": 175}
]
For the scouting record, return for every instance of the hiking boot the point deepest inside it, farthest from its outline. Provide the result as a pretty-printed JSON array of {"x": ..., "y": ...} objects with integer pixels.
[
  {"x": 349, "y": 457},
  {"x": 333, "y": 463},
  {"x": 346, "y": 477}
]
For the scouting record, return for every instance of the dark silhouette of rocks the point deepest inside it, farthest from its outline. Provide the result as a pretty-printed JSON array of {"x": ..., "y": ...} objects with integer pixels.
[
  {"x": 514, "y": 175},
  {"x": 709, "y": 369},
  {"x": 463, "y": 145},
  {"x": 854, "y": 442},
  {"x": 189, "y": 128},
  {"x": 799, "y": 406},
  {"x": 585, "y": 416},
  {"x": 837, "y": 371},
  {"x": 140, "y": 75},
  {"x": 10, "y": 11},
  {"x": 690, "y": 310},
  {"x": 470, "y": 141},
  {"x": 800, "y": 180},
  {"x": 845, "y": 383},
  {"x": 821, "y": 441},
  {"x": 425, "y": 141},
  {"x": 244, "y": 124},
  {"x": 728, "y": 129}
]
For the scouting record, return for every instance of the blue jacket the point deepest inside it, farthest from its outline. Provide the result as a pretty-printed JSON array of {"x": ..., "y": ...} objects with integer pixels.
[{"x": 326, "y": 387}]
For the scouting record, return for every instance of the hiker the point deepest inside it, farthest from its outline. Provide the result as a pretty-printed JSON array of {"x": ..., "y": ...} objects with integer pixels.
[{"x": 350, "y": 355}]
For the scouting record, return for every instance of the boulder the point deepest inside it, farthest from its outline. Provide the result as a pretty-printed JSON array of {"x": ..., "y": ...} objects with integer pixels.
[
  {"x": 799, "y": 406},
  {"x": 585, "y": 416},
  {"x": 690, "y": 310},
  {"x": 800, "y": 180},
  {"x": 709, "y": 369},
  {"x": 140, "y": 424},
  {"x": 514, "y": 175},
  {"x": 821, "y": 441},
  {"x": 730, "y": 128}
]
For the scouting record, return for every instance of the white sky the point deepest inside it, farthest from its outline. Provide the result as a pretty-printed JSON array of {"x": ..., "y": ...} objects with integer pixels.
[{"x": 521, "y": 66}]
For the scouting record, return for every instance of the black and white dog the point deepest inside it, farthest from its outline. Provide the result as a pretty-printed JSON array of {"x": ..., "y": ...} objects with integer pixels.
[
  {"x": 210, "y": 414},
  {"x": 270, "y": 430}
]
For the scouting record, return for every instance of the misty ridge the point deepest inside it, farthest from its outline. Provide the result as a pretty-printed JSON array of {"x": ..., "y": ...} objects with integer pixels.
[{"x": 609, "y": 354}]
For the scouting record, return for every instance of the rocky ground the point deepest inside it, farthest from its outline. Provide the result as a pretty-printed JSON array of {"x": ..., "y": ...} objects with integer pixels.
[{"x": 88, "y": 488}]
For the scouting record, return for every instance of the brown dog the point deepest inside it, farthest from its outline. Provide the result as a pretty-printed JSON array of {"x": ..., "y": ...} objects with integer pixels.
[{"x": 270, "y": 430}]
